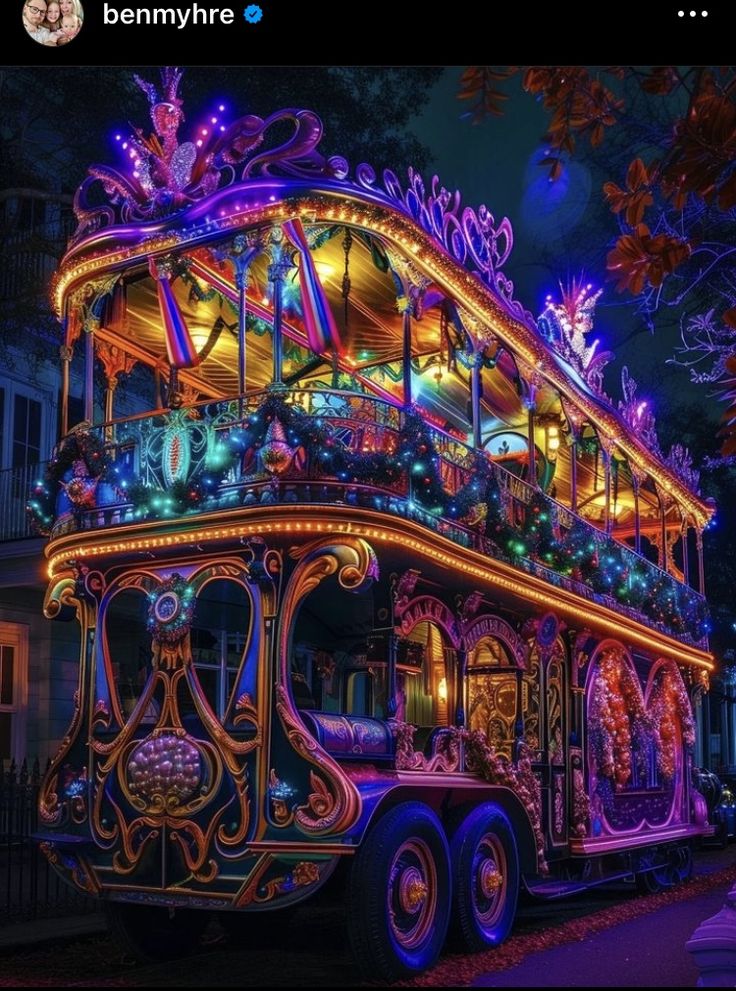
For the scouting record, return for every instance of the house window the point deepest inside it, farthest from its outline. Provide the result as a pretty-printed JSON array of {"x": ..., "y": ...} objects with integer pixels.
[
  {"x": 26, "y": 431},
  {"x": 13, "y": 690}
]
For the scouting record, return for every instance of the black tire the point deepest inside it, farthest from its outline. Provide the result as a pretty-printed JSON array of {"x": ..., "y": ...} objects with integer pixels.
[
  {"x": 398, "y": 894},
  {"x": 676, "y": 869},
  {"x": 684, "y": 865},
  {"x": 485, "y": 872},
  {"x": 151, "y": 933}
]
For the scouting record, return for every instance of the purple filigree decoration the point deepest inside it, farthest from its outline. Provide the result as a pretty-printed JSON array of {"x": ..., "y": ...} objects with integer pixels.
[
  {"x": 166, "y": 176},
  {"x": 471, "y": 237},
  {"x": 637, "y": 414},
  {"x": 566, "y": 325},
  {"x": 680, "y": 461}
]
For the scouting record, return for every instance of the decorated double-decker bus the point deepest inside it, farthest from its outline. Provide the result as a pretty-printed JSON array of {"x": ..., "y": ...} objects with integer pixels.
[{"x": 374, "y": 582}]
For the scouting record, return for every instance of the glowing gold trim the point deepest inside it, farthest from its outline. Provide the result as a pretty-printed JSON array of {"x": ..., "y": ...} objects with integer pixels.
[
  {"x": 444, "y": 271},
  {"x": 291, "y": 521}
]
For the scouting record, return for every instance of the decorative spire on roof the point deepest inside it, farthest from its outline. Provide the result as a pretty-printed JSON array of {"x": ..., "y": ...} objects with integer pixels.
[
  {"x": 680, "y": 461},
  {"x": 565, "y": 326},
  {"x": 638, "y": 414}
]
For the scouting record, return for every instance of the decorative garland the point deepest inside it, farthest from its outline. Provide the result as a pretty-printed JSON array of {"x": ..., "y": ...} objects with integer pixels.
[
  {"x": 670, "y": 706},
  {"x": 619, "y": 726},
  {"x": 589, "y": 557},
  {"x": 78, "y": 464}
]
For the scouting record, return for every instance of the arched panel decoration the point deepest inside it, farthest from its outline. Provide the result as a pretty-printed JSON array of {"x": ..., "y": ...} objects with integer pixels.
[{"x": 500, "y": 696}]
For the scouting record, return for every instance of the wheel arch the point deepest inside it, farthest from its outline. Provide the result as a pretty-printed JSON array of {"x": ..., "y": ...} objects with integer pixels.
[{"x": 449, "y": 801}]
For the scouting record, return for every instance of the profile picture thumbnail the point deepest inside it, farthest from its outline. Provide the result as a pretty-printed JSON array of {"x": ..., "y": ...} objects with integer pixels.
[{"x": 53, "y": 22}]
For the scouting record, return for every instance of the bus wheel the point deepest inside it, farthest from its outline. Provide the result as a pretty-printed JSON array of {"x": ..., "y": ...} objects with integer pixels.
[
  {"x": 151, "y": 933},
  {"x": 684, "y": 863},
  {"x": 485, "y": 871},
  {"x": 398, "y": 895}
]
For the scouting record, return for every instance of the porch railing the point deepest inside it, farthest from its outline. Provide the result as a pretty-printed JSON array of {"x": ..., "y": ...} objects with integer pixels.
[
  {"x": 15, "y": 486},
  {"x": 140, "y": 447}
]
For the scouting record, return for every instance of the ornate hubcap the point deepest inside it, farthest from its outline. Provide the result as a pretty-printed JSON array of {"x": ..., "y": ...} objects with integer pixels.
[
  {"x": 412, "y": 890},
  {"x": 489, "y": 880},
  {"x": 412, "y": 893}
]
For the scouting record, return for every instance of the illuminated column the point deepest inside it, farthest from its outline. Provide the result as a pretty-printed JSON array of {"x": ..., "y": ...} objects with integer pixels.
[
  {"x": 276, "y": 273},
  {"x": 532, "y": 447},
  {"x": 574, "y": 476},
  {"x": 607, "y": 489},
  {"x": 701, "y": 564},
  {"x": 66, "y": 353},
  {"x": 475, "y": 390},
  {"x": 89, "y": 370},
  {"x": 685, "y": 555},
  {"x": 664, "y": 556},
  {"x": 637, "y": 517},
  {"x": 241, "y": 253},
  {"x": 115, "y": 362},
  {"x": 241, "y": 283},
  {"x": 406, "y": 355}
]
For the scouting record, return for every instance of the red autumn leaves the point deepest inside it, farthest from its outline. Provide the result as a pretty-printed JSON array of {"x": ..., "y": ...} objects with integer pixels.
[{"x": 699, "y": 156}]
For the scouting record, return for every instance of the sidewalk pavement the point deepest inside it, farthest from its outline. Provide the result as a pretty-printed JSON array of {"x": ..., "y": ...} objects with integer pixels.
[{"x": 648, "y": 951}]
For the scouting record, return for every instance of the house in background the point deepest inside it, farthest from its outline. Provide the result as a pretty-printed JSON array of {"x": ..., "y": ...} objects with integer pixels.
[{"x": 37, "y": 658}]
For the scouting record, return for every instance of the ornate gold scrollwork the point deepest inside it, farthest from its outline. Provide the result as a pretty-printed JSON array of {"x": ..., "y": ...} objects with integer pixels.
[
  {"x": 304, "y": 873},
  {"x": 333, "y": 804}
]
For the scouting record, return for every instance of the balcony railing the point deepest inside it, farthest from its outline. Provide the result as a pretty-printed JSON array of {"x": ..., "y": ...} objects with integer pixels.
[
  {"x": 204, "y": 459},
  {"x": 15, "y": 484}
]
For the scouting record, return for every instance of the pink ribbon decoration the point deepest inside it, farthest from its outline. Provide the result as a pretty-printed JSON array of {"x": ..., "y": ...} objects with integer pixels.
[{"x": 322, "y": 332}]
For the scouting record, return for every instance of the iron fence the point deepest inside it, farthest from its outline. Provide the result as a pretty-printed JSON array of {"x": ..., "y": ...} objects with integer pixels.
[{"x": 29, "y": 886}]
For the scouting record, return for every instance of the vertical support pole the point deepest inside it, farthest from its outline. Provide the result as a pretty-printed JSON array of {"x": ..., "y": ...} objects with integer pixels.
[
  {"x": 158, "y": 396},
  {"x": 574, "y": 476},
  {"x": 406, "y": 358},
  {"x": 637, "y": 516},
  {"x": 663, "y": 535},
  {"x": 65, "y": 352},
  {"x": 475, "y": 390},
  {"x": 685, "y": 552},
  {"x": 89, "y": 371},
  {"x": 532, "y": 446},
  {"x": 461, "y": 664},
  {"x": 701, "y": 563},
  {"x": 112, "y": 384},
  {"x": 607, "y": 490},
  {"x": 276, "y": 271},
  {"x": 241, "y": 282}
]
